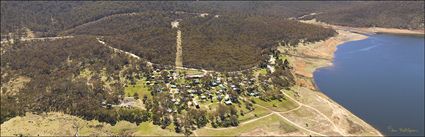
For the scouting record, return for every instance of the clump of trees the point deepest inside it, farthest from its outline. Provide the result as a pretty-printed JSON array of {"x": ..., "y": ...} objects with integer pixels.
[{"x": 224, "y": 116}]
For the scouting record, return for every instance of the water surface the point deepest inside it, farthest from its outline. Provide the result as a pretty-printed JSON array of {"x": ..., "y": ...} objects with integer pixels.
[{"x": 381, "y": 80}]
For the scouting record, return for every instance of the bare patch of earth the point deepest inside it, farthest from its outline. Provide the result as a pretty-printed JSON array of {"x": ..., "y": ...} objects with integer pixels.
[{"x": 14, "y": 85}]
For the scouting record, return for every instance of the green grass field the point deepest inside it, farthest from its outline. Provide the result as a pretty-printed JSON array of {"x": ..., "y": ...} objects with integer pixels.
[
  {"x": 277, "y": 105},
  {"x": 190, "y": 71},
  {"x": 139, "y": 88},
  {"x": 257, "y": 112},
  {"x": 269, "y": 124},
  {"x": 148, "y": 129},
  {"x": 261, "y": 71},
  {"x": 283, "y": 57}
]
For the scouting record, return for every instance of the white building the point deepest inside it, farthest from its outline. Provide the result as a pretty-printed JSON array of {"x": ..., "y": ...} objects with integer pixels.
[
  {"x": 174, "y": 24},
  {"x": 203, "y": 14}
]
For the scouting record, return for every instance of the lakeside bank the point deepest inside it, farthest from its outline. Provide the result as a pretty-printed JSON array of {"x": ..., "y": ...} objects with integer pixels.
[
  {"x": 379, "y": 79},
  {"x": 306, "y": 58}
]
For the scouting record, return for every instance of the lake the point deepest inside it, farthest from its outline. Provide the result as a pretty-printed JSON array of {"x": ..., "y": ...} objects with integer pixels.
[{"x": 381, "y": 80}]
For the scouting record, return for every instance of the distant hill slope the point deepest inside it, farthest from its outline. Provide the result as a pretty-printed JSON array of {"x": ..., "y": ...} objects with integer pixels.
[
  {"x": 53, "y": 16},
  {"x": 391, "y": 14}
]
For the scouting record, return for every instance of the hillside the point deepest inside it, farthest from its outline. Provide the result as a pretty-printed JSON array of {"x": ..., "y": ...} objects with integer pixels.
[
  {"x": 49, "y": 18},
  {"x": 179, "y": 68},
  {"x": 391, "y": 14},
  {"x": 53, "y": 75}
]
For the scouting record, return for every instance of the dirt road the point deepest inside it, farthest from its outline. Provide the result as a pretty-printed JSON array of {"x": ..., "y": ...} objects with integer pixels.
[{"x": 179, "y": 52}]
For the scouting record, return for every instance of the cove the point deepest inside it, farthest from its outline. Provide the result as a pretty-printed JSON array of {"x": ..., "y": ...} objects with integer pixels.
[{"x": 381, "y": 80}]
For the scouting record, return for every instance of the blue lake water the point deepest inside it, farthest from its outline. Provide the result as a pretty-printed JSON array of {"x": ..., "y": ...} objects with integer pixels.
[{"x": 381, "y": 80}]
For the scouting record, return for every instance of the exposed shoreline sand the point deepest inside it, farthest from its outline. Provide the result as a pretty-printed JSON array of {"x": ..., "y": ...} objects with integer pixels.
[
  {"x": 306, "y": 59},
  {"x": 368, "y": 30}
]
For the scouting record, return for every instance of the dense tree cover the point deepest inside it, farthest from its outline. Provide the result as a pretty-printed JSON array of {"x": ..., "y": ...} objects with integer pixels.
[
  {"x": 232, "y": 43},
  {"x": 226, "y": 43},
  {"x": 148, "y": 35},
  {"x": 51, "y": 17},
  {"x": 55, "y": 16},
  {"x": 55, "y": 68},
  {"x": 393, "y": 14}
]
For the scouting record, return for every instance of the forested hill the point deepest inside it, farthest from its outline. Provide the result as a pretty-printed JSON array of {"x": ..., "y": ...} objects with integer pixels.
[
  {"x": 54, "y": 16},
  {"x": 393, "y": 14}
]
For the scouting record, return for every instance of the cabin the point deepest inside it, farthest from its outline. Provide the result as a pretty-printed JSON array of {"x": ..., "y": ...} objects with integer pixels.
[
  {"x": 226, "y": 97},
  {"x": 228, "y": 102},
  {"x": 196, "y": 104},
  {"x": 173, "y": 86},
  {"x": 222, "y": 86},
  {"x": 233, "y": 86},
  {"x": 195, "y": 81},
  {"x": 199, "y": 92},
  {"x": 255, "y": 93},
  {"x": 190, "y": 91},
  {"x": 203, "y": 14},
  {"x": 174, "y": 24},
  {"x": 194, "y": 76},
  {"x": 169, "y": 110},
  {"x": 213, "y": 84},
  {"x": 159, "y": 90},
  {"x": 219, "y": 97}
]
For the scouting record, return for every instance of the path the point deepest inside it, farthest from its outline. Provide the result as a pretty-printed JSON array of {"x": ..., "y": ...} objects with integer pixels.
[
  {"x": 301, "y": 104},
  {"x": 118, "y": 50},
  {"x": 293, "y": 123},
  {"x": 98, "y": 20},
  {"x": 243, "y": 123},
  {"x": 179, "y": 52},
  {"x": 40, "y": 39}
]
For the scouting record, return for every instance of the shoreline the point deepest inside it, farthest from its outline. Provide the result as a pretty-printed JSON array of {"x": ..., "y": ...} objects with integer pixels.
[
  {"x": 307, "y": 58},
  {"x": 368, "y": 30}
]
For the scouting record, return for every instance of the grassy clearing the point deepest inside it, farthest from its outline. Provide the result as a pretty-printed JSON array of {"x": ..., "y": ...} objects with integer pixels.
[
  {"x": 257, "y": 112},
  {"x": 59, "y": 124},
  {"x": 283, "y": 57},
  {"x": 139, "y": 88},
  {"x": 262, "y": 71},
  {"x": 190, "y": 71},
  {"x": 290, "y": 92},
  {"x": 248, "y": 115},
  {"x": 269, "y": 124},
  {"x": 148, "y": 129},
  {"x": 86, "y": 73},
  {"x": 276, "y": 105}
]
